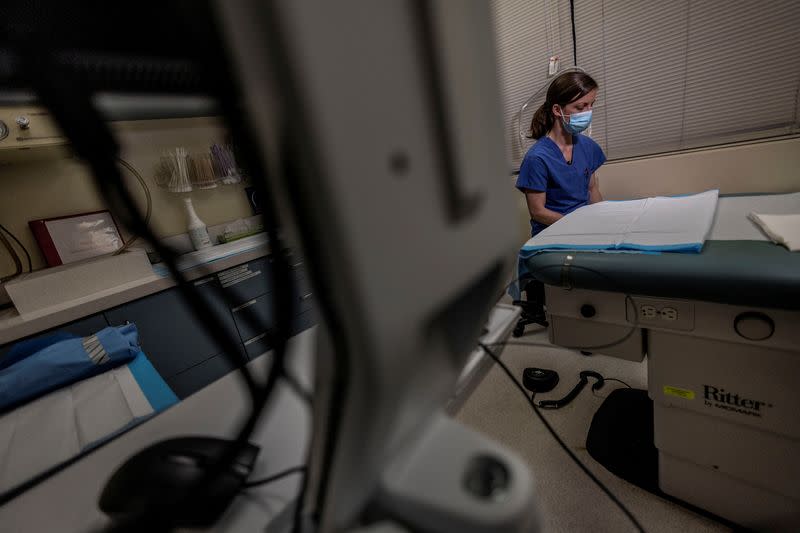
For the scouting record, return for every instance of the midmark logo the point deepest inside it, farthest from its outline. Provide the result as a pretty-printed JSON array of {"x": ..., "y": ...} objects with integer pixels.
[{"x": 722, "y": 399}]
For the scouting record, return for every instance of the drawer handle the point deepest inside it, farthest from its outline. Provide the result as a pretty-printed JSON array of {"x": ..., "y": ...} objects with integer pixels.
[
  {"x": 306, "y": 296},
  {"x": 230, "y": 282},
  {"x": 243, "y": 306},
  {"x": 234, "y": 271},
  {"x": 203, "y": 281},
  {"x": 255, "y": 339}
]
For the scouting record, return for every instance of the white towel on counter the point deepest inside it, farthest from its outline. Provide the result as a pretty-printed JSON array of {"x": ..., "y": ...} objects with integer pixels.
[{"x": 782, "y": 229}]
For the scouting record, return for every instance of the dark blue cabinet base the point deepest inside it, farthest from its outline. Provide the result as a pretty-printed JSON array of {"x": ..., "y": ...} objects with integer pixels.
[{"x": 201, "y": 375}]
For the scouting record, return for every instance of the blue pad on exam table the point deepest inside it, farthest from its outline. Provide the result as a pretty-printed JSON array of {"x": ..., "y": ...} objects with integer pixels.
[{"x": 64, "y": 362}]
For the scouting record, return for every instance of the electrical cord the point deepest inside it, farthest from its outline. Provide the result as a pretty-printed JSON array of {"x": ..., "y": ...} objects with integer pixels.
[
  {"x": 523, "y": 343},
  {"x": 22, "y": 246},
  {"x": 540, "y": 344},
  {"x": 576, "y": 390},
  {"x": 275, "y": 477},
  {"x": 148, "y": 199},
  {"x": 560, "y": 442},
  {"x": 301, "y": 158},
  {"x": 594, "y": 392},
  {"x": 159, "y": 516},
  {"x": 259, "y": 396},
  {"x": 629, "y": 300},
  {"x": 293, "y": 146},
  {"x": 93, "y": 141},
  {"x": 551, "y": 345},
  {"x": 14, "y": 256},
  {"x": 196, "y": 306},
  {"x": 574, "y": 35},
  {"x": 618, "y": 381}
]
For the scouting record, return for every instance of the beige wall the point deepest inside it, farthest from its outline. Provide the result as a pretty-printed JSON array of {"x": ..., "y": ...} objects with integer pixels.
[
  {"x": 62, "y": 186},
  {"x": 770, "y": 166}
]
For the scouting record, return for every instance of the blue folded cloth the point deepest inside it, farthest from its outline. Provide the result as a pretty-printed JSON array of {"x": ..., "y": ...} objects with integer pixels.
[
  {"x": 28, "y": 347},
  {"x": 63, "y": 362}
]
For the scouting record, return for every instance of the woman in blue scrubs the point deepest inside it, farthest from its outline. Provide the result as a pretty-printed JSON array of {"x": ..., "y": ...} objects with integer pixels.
[{"x": 557, "y": 175}]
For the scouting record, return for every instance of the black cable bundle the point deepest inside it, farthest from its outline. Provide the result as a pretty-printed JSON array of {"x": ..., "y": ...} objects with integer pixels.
[
  {"x": 17, "y": 261},
  {"x": 92, "y": 140}
]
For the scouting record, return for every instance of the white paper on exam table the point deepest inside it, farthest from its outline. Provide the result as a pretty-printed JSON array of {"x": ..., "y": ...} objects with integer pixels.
[
  {"x": 731, "y": 222},
  {"x": 650, "y": 224}
]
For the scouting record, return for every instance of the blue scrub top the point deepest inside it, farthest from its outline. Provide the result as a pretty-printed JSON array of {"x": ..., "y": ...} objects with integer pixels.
[{"x": 566, "y": 185}]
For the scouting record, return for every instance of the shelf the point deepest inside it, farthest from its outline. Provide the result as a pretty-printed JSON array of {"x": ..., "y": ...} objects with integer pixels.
[
  {"x": 122, "y": 107},
  {"x": 13, "y": 326}
]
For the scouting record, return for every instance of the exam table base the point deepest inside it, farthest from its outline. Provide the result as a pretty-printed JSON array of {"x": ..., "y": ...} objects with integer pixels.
[
  {"x": 726, "y": 427},
  {"x": 725, "y": 407},
  {"x": 739, "y": 501}
]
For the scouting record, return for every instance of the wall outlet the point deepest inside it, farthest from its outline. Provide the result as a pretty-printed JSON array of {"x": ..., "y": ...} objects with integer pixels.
[
  {"x": 652, "y": 312},
  {"x": 669, "y": 313},
  {"x": 648, "y": 312},
  {"x": 666, "y": 313}
]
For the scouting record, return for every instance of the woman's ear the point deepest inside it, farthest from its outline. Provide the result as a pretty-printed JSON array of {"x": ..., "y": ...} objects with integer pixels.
[{"x": 556, "y": 109}]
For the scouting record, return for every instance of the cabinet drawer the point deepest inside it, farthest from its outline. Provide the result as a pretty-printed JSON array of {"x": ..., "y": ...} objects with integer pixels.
[
  {"x": 248, "y": 281},
  {"x": 297, "y": 265},
  {"x": 303, "y": 321},
  {"x": 195, "y": 378},
  {"x": 260, "y": 344},
  {"x": 261, "y": 311},
  {"x": 256, "y": 346},
  {"x": 304, "y": 295},
  {"x": 173, "y": 339}
]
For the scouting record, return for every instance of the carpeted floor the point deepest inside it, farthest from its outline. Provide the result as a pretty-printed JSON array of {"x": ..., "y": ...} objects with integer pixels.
[{"x": 568, "y": 500}]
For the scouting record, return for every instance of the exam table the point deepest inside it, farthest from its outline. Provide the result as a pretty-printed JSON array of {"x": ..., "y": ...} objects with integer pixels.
[{"x": 721, "y": 330}]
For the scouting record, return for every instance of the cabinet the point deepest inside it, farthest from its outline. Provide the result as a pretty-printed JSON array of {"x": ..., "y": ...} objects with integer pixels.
[
  {"x": 244, "y": 282},
  {"x": 195, "y": 378},
  {"x": 182, "y": 352},
  {"x": 260, "y": 314},
  {"x": 169, "y": 333}
]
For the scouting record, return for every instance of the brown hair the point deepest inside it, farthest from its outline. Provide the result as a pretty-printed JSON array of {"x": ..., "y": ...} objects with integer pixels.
[{"x": 566, "y": 88}]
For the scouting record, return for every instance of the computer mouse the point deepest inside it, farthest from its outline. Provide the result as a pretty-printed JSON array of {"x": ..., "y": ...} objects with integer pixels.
[{"x": 163, "y": 472}]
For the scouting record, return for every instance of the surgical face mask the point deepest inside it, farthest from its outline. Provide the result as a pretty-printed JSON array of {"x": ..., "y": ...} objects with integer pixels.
[{"x": 577, "y": 122}]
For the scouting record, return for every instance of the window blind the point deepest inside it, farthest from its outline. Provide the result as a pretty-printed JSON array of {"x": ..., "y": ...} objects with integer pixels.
[
  {"x": 528, "y": 33},
  {"x": 679, "y": 75}
]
